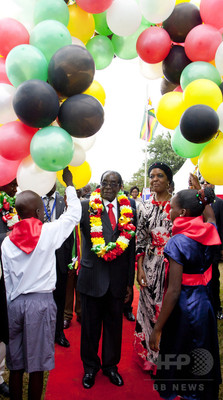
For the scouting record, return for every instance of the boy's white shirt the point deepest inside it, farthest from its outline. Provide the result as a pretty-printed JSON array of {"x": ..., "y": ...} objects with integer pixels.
[{"x": 36, "y": 272}]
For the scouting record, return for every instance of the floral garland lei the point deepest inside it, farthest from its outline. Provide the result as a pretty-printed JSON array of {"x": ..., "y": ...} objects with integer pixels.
[
  {"x": 127, "y": 230},
  {"x": 7, "y": 210}
]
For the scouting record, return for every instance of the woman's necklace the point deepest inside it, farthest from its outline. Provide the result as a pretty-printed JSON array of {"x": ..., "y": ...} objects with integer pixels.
[{"x": 161, "y": 203}]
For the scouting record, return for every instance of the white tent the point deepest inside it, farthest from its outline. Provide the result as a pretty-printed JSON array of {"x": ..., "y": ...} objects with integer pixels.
[{"x": 181, "y": 178}]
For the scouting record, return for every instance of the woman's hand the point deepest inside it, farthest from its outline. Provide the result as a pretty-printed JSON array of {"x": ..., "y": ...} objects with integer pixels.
[
  {"x": 154, "y": 339},
  {"x": 141, "y": 277}
]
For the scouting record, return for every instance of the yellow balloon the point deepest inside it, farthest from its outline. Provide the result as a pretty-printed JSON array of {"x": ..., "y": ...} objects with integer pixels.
[
  {"x": 182, "y": 1},
  {"x": 169, "y": 109},
  {"x": 81, "y": 175},
  {"x": 210, "y": 161},
  {"x": 81, "y": 23},
  {"x": 194, "y": 160},
  {"x": 203, "y": 91},
  {"x": 97, "y": 91}
]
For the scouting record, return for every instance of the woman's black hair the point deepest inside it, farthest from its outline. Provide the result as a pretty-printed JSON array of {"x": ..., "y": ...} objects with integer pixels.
[
  {"x": 195, "y": 200},
  {"x": 132, "y": 188}
]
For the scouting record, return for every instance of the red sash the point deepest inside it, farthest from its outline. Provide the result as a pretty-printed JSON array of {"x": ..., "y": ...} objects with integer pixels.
[
  {"x": 196, "y": 229},
  {"x": 25, "y": 234}
]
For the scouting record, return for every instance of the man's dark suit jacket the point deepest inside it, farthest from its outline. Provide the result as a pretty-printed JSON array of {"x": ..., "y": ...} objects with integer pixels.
[
  {"x": 64, "y": 253},
  {"x": 97, "y": 275}
]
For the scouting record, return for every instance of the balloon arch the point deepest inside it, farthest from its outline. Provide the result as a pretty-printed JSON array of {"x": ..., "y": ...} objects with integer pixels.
[{"x": 51, "y": 106}]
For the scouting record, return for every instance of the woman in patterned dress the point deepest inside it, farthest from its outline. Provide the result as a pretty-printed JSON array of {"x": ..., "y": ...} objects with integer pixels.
[{"x": 153, "y": 232}]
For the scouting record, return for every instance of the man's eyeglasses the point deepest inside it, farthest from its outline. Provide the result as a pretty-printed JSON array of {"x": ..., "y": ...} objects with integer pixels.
[{"x": 111, "y": 184}]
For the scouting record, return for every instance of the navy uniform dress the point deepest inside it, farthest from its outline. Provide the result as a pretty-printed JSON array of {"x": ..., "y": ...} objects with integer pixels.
[{"x": 188, "y": 363}]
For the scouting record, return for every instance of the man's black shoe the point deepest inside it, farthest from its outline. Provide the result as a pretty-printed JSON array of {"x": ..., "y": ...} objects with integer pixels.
[
  {"x": 114, "y": 377},
  {"x": 62, "y": 340},
  {"x": 129, "y": 315},
  {"x": 88, "y": 380},
  {"x": 4, "y": 389}
]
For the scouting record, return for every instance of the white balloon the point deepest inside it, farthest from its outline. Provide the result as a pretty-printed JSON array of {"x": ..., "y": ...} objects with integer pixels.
[
  {"x": 220, "y": 115},
  {"x": 77, "y": 41},
  {"x": 156, "y": 11},
  {"x": 31, "y": 177},
  {"x": 219, "y": 59},
  {"x": 79, "y": 156},
  {"x": 151, "y": 71},
  {"x": 7, "y": 113},
  {"x": 85, "y": 143},
  {"x": 124, "y": 17}
]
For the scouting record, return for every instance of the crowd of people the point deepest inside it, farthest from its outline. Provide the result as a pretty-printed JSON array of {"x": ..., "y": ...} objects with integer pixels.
[{"x": 83, "y": 250}]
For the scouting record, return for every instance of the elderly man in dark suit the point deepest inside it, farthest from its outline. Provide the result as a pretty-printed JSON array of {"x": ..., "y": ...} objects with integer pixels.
[
  {"x": 54, "y": 206},
  {"x": 103, "y": 286}
]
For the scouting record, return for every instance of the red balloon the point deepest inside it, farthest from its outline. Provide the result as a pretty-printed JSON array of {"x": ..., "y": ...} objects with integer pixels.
[
  {"x": 178, "y": 89},
  {"x": 15, "y": 138},
  {"x": 3, "y": 75},
  {"x": 212, "y": 12},
  {"x": 94, "y": 7},
  {"x": 149, "y": 46},
  {"x": 202, "y": 42},
  {"x": 12, "y": 33},
  {"x": 8, "y": 170}
]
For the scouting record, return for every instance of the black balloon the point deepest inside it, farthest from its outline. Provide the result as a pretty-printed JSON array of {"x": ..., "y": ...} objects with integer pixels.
[
  {"x": 184, "y": 17},
  {"x": 166, "y": 86},
  {"x": 71, "y": 70},
  {"x": 81, "y": 115},
  {"x": 174, "y": 64},
  {"x": 199, "y": 123},
  {"x": 36, "y": 103},
  {"x": 221, "y": 87}
]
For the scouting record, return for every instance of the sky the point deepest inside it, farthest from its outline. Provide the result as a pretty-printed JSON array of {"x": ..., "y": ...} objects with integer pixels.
[{"x": 117, "y": 144}]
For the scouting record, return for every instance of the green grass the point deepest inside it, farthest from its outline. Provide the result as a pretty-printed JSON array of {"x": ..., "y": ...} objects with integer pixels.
[{"x": 220, "y": 331}]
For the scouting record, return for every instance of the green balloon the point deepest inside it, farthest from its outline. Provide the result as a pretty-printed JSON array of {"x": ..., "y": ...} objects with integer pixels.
[
  {"x": 25, "y": 62},
  {"x": 52, "y": 148},
  {"x": 199, "y": 70},
  {"x": 101, "y": 25},
  {"x": 183, "y": 147},
  {"x": 102, "y": 51},
  {"x": 49, "y": 36},
  {"x": 125, "y": 46},
  {"x": 51, "y": 9}
]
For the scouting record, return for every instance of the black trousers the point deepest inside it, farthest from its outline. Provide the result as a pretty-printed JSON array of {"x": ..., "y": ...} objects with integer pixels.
[
  {"x": 101, "y": 315},
  {"x": 59, "y": 295}
]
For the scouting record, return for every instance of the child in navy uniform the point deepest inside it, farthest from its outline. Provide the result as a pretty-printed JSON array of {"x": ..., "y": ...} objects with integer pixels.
[
  {"x": 28, "y": 259},
  {"x": 188, "y": 363}
]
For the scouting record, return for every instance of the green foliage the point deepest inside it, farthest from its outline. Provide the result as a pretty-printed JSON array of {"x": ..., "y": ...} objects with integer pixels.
[{"x": 158, "y": 150}]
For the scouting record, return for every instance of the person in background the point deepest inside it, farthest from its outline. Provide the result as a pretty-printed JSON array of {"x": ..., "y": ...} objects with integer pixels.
[
  {"x": 86, "y": 191},
  {"x": 72, "y": 277},
  {"x": 198, "y": 183},
  {"x": 153, "y": 232},
  {"x": 8, "y": 218},
  {"x": 127, "y": 311},
  {"x": 189, "y": 364},
  {"x": 54, "y": 207},
  {"x": 134, "y": 193},
  {"x": 29, "y": 266},
  {"x": 105, "y": 278}
]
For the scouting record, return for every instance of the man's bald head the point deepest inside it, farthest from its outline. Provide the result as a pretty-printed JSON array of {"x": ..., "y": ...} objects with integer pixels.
[{"x": 29, "y": 204}]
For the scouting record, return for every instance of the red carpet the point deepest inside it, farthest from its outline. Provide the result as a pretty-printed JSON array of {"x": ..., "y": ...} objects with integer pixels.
[{"x": 65, "y": 381}]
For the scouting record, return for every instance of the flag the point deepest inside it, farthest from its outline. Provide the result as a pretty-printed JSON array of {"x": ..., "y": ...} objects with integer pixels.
[{"x": 149, "y": 123}]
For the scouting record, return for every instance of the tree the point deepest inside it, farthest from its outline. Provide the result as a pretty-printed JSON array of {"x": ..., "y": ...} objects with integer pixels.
[{"x": 158, "y": 150}]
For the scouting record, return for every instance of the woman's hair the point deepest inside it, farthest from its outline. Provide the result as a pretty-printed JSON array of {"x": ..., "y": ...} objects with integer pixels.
[
  {"x": 195, "y": 200},
  {"x": 132, "y": 188},
  {"x": 164, "y": 167}
]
